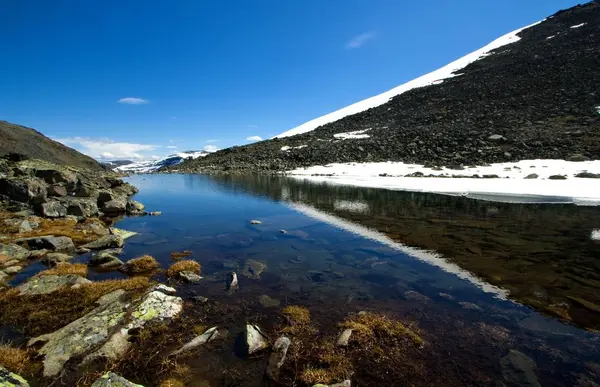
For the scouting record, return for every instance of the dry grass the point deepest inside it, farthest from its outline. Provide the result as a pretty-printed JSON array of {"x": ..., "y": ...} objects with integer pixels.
[
  {"x": 312, "y": 375},
  {"x": 171, "y": 382},
  {"x": 4, "y": 258},
  {"x": 44, "y": 313},
  {"x": 187, "y": 265},
  {"x": 375, "y": 326},
  {"x": 143, "y": 264},
  {"x": 63, "y": 268},
  {"x": 200, "y": 329},
  {"x": 297, "y": 314},
  {"x": 16, "y": 360},
  {"x": 63, "y": 227},
  {"x": 177, "y": 255}
]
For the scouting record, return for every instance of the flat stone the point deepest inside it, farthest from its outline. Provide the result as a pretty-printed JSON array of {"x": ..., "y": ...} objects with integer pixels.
[
  {"x": 13, "y": 251},
  {"x": 13, "y": 270},
  {"x": 518, "y": 370},
  {"x": 496, "y": 137},
  {"x": 114, "y": 207},
  {"x": 345, "y": 383},
  {"x": 155, "y": 213},
  {"x": 105, "y": 260},
  {"x": 164, "y": 289},
  {"x": 344, "y": 338},
  {"x": 51, "y": 259},
  {"x": 54, "y": 209},
  {"x": 122, "y": 233},
  {"x": 470, "y": 305},
  {"x": 105, "y": 242},
  {"x": 200, "y": 299},
  {"x": 253, "y": 269},
  {"x": 111, "y": 379},
  {"x": 190, "y": 276},
  {"x": 132, "y": 207},
  {"x": 48, "y": 283},
  {"x": 532, "y": 176},
  {"x": 254, "y": 221},
  {"x": 9, "y": 379},
  {"x": 277, "y": 358},
  {"x": 209, "y": 335},
  {"x": 12, "y": 262},
  {"x": 50, "y": 242},
  {"x": 37, "y": 254},
  {"x": 255, "y": 339}
]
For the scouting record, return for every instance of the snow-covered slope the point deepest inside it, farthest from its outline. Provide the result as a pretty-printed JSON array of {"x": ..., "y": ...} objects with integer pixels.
[
  {"x": 153, "y": 165},
  {"x": 433, "y": 78}
]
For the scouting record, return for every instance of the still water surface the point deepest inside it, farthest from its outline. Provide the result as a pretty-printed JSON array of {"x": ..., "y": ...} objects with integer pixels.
[{"x": 347, "y": 249}]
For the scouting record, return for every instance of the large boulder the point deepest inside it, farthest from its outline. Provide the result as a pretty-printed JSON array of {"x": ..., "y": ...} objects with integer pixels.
[
  {"x": 111, "y": 379},
  {"x": 54, "y": 176},
  {"x": 105, "y": 242},
  {"x": 134, "y": 208},
  {"x": 53, "y": 259},
  {"x": 105, "y": 260},
  {"x": 10, "y": 379},
  {"x": 49, "y": 283},
  {"x": 114, "y": 207},
  {"x": 52, "y": 243},
  {"x": 54, "y": 209},
  {"x": 57, "y": 190},
  {"x": 24, "y": 190},
  {"x": 13, "y": 251},
  {"x": 82, "y": 207}
]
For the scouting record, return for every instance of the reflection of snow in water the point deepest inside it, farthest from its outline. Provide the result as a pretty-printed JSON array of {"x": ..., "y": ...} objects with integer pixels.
[
  {"x": 285, "y": 193},
  {"x": 429, "y": 257},
  {"x": 350, "y": 205},
  {"x": 595, "y": 236}
]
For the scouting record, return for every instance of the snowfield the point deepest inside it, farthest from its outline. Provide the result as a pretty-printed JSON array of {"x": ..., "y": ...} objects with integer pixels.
[
  {"x": 153, "y": 165},
  {"x": 511, "y": 185},
  {"x": 433, "y": 78}
]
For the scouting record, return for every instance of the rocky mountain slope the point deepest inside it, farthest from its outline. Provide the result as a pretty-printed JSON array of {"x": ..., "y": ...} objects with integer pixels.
[
  {"x": 31, "y": 143},
  {"x": 536, "y": 97}
]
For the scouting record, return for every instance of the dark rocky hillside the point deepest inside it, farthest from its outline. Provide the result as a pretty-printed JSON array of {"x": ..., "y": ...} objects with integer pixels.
[
  {"x": 29, "y": 142},
  {"x": 540, "y": 96}
]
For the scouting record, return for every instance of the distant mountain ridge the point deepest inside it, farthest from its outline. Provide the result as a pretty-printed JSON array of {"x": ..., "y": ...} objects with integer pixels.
[
  {"x": 536, "y": 97},
  {"x": 29, "y": 142},
  {"x": 154, "y": 165}
]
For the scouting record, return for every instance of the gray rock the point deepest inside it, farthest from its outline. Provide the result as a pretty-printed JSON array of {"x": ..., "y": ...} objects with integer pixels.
[
  {"x": 52, "y": 259},
  {"x": 209, "y": 335},
  {"x": 55, "y": 176},
  {"x": 12, "y": 262},
  {"x": 9, "y": 379},
  {"x": 111, "y": 379},
  {"x": 48, "y": 283},
  {"x": 344, "y": 338},
  {"x": 470, "y": 306},
  {"x": 3, "y": 277},
  {"x": 588, "y": 175},
  {"x": 122, "y": 233},
  {"x": 14, "y": 251},
  {"x": 253, "y": 269},
  {"x": 132, "y": 207},
  {"x": 255, "y": 339},
  {"x": 82, "y": 250},
  {"x": 98, "y": 329},
  {"x": 155, "y": 213},
  {"x": 268, "y": 302},
  {"x": 277, "y": 358},
  {"x": 105, "y": 260},
  {"x": 496, "y": 137},
  {"x": 200, "y": 299},
  {"x": 82, "y": 207},
  {"x": 20, "y": 224},
  {"x": 114, "y": 207},
  {"x": 105, "y": 242},
  {"x": 345, "y": 383},
  {"x": 557, "y": 177},
  {"x": 254, "y": 221},
  {"x": 190, "y": 276},
  {"x": 54, "y": 209},
  {"x": 232, "y": 281},
  {"x": 531, "y": 176},
  {"x": 57, "y": 191},
  {"x": 52, "y": 243},
  {"x": 578, "y": 158},
  {"x": 37, "y": 254},
  {"x": 518, "y": 370},
  {"x": 164, "y": 289},
  {"x": 13, "y": 270}
]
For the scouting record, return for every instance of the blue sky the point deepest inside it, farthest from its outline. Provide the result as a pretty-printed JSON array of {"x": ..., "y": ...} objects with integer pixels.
[{"x": 191, "y": 74}]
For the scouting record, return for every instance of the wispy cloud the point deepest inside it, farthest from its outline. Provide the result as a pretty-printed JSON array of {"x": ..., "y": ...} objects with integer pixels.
[
  {"x": 172, "y": 146},
  {"x": 133, "y": 101},
  {"x": 254, "y": 138},
  {"x": 211, "y": 148},
  {"x": 103, "y": 149},
  {"x": 213, "y": 140},
  {"x": 359, "y": 40}
]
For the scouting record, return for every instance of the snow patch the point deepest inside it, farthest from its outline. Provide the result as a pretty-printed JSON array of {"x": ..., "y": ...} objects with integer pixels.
[
  {"x": 595, "y": 236},
  {"x": 351, "y": 206},
  {"x": 429, "y": 257},
  {"x": 510, "y": 185},
  {"x": 153, "y": 165},
  {"x": 578, "y": 25},
  {"x": 432, "y": 78},
  {"x": 550, "y": 37},
  {"x": 352, "y": 135},
  {"x": 287, "y": 148}
]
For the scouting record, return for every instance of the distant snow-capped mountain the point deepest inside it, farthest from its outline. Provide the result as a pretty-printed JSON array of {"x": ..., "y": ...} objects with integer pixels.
[{"x": 154, "y": 165}]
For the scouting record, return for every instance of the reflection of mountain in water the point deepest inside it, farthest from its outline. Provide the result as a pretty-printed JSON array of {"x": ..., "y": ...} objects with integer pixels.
[{"x": 542, "y": 253}]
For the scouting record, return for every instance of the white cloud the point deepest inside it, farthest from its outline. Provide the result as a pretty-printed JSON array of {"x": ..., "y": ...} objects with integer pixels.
[
  {"x": 212, "y": 140},
  {"x": 108, "y": 149},
  {"x": 172, "y": 146},
  {"x": 211, "y": 148},
  {"x": 155, "y": 157},
  {"x": 254, "y": 138},
  {"x": 359, "y": 40},
  {"x": 132, "y": 101}
]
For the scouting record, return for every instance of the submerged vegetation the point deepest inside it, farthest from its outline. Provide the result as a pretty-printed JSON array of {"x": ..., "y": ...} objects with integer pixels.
[{"x": 177, "y": 255}]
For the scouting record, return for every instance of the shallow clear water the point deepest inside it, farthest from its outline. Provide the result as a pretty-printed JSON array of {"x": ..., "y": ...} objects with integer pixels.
[{"x": 330, "y": 262}]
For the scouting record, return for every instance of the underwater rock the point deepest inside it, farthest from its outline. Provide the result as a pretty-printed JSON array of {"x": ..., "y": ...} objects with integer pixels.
[
  {"x": 344, "y": 338},
  {"x": 253, "y": 269},
  {"x": 268, "y": 302},
  {"x": 296, "y": 260},
  {"x": 470, "y": 306},
  {"x": 209, "y": 335},
  {"x": 255, "y": 339},
  {"x": 105, "y": 242},
  {"x": 10, "y": 379},
  {"x": 518, "y": 370},
  {"x": 111, "y": 379},
  {"x": 122, "y": 233},
  {"x": 190, "y": 277},
  {"x": 232, "y": 281},
  {"x": 254, "y": 221},
  {"x": 49, "y": 283},
  {"x": 277, "y": 358}
]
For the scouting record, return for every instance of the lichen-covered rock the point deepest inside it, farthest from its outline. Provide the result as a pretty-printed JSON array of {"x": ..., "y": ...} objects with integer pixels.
[
  {"x": 52, "y": 243},
  {"x": 134, "y": 207},
  {"x": 49, "y": 283},
  {"x": 105, "y": 242},
  {"x": 82, "y": 207},
  {"x": 57, "y": 191},
  {"x": 56, "y": 175},
  {"x": 344, "y": 338},
  {"x": 114, "y": 207},
  {"x": 255, "y": 339},
  {"x": 13, "y": 251},
  {"x": 105, "y": 260},
  {"x": 54, "y": 209},
  {"x": 111, "y": 379},
  {"x": 52, "y": 259},
  {"x": 278, "y": 356},
  {"x": 13, "y": 270},
  {"x": 9, "y": 379},
  {"x": 190, "y": 277}
]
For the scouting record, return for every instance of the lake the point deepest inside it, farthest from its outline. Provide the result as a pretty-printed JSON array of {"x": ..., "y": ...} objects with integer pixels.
[{"x": 500, "y": 292}]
